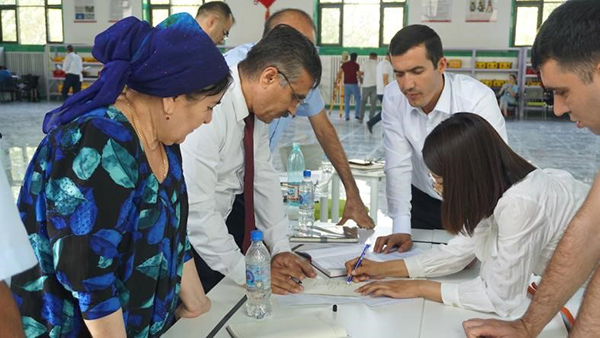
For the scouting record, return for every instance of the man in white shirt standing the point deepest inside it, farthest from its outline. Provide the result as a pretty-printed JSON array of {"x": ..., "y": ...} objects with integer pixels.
[
  {"x": 271, "y": 82},
  {"x": 422, "y": 97},
  {"x": 369, "y": 86},
  {"x": 72, "y": 66},
  {"x": 385, "y": 74},
  {"x": 16, "y": 256}
]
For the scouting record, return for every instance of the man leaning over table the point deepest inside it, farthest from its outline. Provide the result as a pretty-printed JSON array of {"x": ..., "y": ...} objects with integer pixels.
[{"x": 271, "y": 82}]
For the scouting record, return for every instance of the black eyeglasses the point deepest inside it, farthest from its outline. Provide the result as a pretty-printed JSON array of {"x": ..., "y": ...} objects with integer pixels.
[
  {"x": 300, "y": 101},
  {"x": 225, "y": 34}
]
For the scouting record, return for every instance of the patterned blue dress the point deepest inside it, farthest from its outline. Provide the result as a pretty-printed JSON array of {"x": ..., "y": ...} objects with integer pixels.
[{"x": 106, "y": 233}]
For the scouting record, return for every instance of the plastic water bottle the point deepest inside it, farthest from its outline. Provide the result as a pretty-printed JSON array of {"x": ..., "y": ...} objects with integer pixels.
[
  {"x": 306, "y": 208},
  {"x": 258, "y": 277},
  {"x": 322, "y": 188},
  {"x": 295, "y": 168}
]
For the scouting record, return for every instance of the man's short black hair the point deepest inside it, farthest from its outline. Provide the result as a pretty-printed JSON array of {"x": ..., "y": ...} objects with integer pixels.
[
  {"x": 353, "y": 56},
  {"x": 216, "y": 7},
  {"x": 276, "y": 18},
  {"x": 372, "y": 55},
  {"x": 571, "y": 36},
  {"x": 416, "y": 35},
  {"x": 286, "y": 49},
  {"x": 70, "y": 48}
]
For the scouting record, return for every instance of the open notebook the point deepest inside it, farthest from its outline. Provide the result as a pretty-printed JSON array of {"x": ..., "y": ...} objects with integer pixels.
[
  {"x": 316, "y": 325},
  {"x": 331, "y": 261}
]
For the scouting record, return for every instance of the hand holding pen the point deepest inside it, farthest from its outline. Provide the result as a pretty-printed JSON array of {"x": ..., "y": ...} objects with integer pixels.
[{"x": 358, "y": 262}]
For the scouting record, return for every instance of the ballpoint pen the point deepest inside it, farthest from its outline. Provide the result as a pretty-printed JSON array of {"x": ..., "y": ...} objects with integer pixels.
[{"x": 360, "y": 258}]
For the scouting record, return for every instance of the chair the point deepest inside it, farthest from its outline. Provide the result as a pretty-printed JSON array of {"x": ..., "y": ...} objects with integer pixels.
[
  {"x": 29, "y": 88},
  {"x": 9, "y": 86},
  {"x": 313, "y": 155}
]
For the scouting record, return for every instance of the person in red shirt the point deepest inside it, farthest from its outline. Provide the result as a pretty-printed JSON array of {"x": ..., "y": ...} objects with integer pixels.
[{"x": 350, "y": 70}]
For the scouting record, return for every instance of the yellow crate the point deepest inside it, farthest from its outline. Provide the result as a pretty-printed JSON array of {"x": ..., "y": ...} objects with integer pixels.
[
  {"x": 505, "y": 65},
  {"x": 491, "y": 65},
  {"x": 498, "y": 83},
  {"x": 455, "y": 64},
  {"x": 480, "y": 65},
  {"x": 487, "y": 82}
]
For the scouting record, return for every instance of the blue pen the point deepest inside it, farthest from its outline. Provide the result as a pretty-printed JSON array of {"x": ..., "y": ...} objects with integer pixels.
[{"x": 360, "y": 258}]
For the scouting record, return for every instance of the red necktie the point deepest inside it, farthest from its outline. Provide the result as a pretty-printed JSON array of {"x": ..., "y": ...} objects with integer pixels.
[{"x": 249, "y": 223}]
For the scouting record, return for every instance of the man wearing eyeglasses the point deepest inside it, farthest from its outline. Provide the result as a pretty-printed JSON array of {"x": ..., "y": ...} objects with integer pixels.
[
  {"x": 312, "y": 107},
  {"x": 270, "y": 83},
  {"x": 216, "y": 19}
]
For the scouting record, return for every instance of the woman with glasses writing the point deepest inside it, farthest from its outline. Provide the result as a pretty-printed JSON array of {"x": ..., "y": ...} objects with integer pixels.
[{"x": 504, "y": 211}]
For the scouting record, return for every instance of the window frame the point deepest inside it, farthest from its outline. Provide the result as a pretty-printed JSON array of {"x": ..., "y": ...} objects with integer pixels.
[
  {"x": 382, "y": 6},
  {"x": 46, "y": 7},
  {"x": 526, "y": 3},
  {"x": 163, "y": 6}
]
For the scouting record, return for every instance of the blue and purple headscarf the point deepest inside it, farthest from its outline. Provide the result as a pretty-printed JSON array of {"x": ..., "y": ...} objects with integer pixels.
[{"x": 175, "y": 58}]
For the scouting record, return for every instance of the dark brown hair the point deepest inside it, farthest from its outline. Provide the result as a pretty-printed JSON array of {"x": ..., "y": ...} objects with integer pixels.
[{"x": 477, "y": 167}]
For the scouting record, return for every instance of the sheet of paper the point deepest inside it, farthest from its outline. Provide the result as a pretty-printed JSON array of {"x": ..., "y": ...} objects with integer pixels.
[
  {"x": 330, "y": 287},
  {"x": 335, "y": 258}
]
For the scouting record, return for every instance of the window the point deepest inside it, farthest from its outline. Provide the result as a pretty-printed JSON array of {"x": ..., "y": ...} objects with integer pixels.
[
  {"x": 31, "y": 22},
  {"x": 359, "y": 23},
  {"x": 161, "y": 9},
  {"x": 529, "y": 16}
]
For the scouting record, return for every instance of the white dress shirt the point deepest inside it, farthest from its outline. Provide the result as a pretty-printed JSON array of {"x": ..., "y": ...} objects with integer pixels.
[
  {"x": 405, "y": 129},
  {"x": 73, "y": 64},
  {"x": 213, "y": 166},
  {"x": 16, "y": 254},
  {"x": 384, "y": 67},
  {"x": 369, "y": 67},
  {"x": 516, "y": 241}
]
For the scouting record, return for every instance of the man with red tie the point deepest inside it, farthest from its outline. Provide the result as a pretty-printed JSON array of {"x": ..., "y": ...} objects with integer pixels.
[{"x": 270, "y": 83}]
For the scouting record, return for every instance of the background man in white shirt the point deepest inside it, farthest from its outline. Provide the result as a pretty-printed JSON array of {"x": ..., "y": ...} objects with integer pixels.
[
  {"x": 567, "y": 53},
  {"x": 369, "y": 86},
  {"x": 422, "y": 97},
  {"x": 385, "y": 75},
  {"x": 72, "y": 66},
  {"x": 16, "y": 256},
  {"x": 216, "y": 19},
  {"x": 273, "y": 80}
]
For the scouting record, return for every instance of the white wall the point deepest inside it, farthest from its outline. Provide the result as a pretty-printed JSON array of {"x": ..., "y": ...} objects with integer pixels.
[
  {"x": 250, "y": 18},
  {"x": 84, "y": 32},
  {"x": 461, "y": 34}
]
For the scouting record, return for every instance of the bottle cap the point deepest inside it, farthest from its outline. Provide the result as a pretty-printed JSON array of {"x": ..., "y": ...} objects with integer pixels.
[
  {"x": 296, "y": 145},
  {"x": 306, "y": 173},
  {"x": 256, "y": 235}
]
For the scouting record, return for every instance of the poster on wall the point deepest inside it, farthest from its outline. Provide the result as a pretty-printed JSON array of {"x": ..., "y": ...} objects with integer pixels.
[
  {"x": 436, "y": 11},
  {"x": 85, "y": 11},
  {"x": 482, "y": 10},
  {"x": 119, "y": 9}
]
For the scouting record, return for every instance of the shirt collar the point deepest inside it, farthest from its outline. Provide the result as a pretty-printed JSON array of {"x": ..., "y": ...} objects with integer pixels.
[
  {"x": 444, "y": 102},
  {"x": 238, "y": 99}
]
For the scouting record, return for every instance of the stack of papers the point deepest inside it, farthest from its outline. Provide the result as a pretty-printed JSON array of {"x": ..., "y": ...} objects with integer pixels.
[
  {"x": 326, "y": 233},
  {"x": 317, "y": 325}
]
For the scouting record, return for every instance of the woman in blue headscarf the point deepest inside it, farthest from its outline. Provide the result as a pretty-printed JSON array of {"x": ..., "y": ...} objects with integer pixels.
[{"x": 104, "y": 200}]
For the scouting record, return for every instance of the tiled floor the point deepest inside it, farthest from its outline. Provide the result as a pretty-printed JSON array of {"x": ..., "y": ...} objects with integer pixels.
[{"x": 551, "y": 143}]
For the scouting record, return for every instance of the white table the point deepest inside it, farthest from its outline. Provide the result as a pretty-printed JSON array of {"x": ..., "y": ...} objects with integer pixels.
[{"x": 413, "y": 318}]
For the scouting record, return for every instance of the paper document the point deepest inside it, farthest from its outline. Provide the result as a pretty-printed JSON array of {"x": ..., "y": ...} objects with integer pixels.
[
  {"x": 302, "y": 299},
  {"x": 330, "y": 287},
  {"x": 331, "y": 261}
]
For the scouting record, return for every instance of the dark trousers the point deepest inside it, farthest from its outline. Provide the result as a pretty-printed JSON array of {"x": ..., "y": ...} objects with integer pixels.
[
  {"x": 235, "y": 226},
  {"x": 426, "y": 211},
  {"x": 71, "y": 80},
  {"x": 375, "y": 119}
]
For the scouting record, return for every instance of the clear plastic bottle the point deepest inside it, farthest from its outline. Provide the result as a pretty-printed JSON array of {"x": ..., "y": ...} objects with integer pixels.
[
  {"x": 306, "y": 209},
  {"x": 295, "y": 167},
  {"x": 322, "y": 189},
  {"x": 258, "y": 277}
]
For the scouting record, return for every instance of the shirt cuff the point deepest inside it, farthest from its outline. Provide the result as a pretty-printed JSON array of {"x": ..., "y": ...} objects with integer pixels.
[
  {"x": 450, "y": 294},
  {"x": 238, "y": 273},
  {"x": 283, "y": 245},
  {"x": 401, "y": 224},
  {"x": 413, "y": 266}
]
